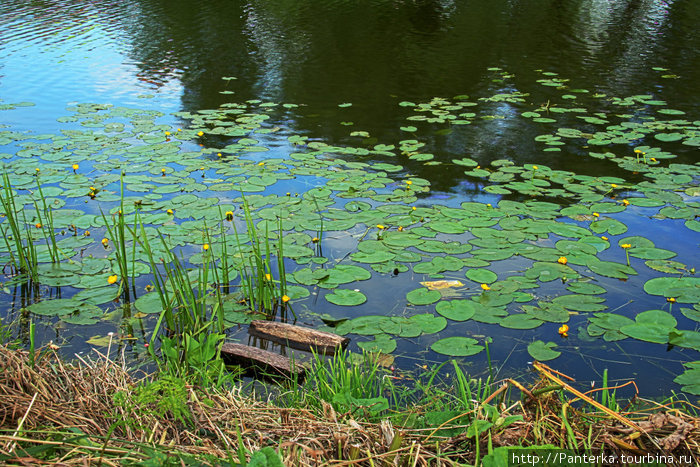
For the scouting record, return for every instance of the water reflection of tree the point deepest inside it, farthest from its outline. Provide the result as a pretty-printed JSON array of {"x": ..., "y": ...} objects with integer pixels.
[{"x": 377, "y": 53}]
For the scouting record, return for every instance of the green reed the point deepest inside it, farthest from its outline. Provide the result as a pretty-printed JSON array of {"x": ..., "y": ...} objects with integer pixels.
[
  {"x": 45, "y": 219},
  {"x": 262, "y": 291},
  {"x": 22, "y": 250},
  {"x": 190, "y": 346}
]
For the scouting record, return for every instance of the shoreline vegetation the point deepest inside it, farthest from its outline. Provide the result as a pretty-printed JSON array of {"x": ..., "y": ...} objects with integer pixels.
[{"x": 94, "y": 411}]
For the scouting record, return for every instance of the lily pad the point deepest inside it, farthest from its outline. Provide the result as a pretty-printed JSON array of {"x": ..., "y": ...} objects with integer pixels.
[
  {"x": 456, "y": 310},
  {"x": 457, "y": 346},
  {"x": 520, "y": 321},
  {"x": 683, "y": 289},
  {"x": 59, "y": 307},
  {"x": 149, "y": 303},
  {"x": 345, "y": 297},
  {"x": 381, "y": 343},
  {"x": 543, "y": 352},
  {"x": 690, "y": 379},
  {"x": 651, "y": 326},
  {"x": 483, "y": 276},
  {"x": 423, "y": 296}
]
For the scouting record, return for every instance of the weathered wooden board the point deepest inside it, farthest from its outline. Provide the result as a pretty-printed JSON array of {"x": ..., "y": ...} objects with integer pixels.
[
  {"x": 261, "y": 362},
  {"x": 298, "y": 337}
]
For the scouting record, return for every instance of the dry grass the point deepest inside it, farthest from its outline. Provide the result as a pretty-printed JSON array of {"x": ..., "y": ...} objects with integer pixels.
[{"x": 56, "y": 413}]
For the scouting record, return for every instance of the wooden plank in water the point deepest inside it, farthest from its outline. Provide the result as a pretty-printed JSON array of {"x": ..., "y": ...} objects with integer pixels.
[
  {"x": 262, "y": 362},
  {"x": 298, "y": 337}
]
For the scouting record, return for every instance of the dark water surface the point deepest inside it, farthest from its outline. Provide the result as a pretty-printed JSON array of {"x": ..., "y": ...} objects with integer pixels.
[{"x": 172, "y": 55}]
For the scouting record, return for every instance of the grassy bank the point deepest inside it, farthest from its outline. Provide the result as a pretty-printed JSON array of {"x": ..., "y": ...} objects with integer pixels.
[{"x": 95, "y": 412}]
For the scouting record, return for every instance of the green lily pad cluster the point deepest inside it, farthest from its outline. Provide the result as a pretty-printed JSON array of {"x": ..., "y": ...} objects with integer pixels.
[{"x": 546, "y": 248}]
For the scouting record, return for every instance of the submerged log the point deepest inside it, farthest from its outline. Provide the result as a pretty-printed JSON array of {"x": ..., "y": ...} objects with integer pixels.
[
  {"x": 261, "y": 362},
  {"x": 298, "y": 337}
]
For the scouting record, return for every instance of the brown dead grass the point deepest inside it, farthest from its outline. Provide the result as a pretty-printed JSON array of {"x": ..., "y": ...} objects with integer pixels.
[{"x": 41, "y": 404}]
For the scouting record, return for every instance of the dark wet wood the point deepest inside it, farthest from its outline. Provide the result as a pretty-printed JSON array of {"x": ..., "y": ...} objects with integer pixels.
[
  {"x": 298, "y": 337},
  {"x": 261, "y": 362}
]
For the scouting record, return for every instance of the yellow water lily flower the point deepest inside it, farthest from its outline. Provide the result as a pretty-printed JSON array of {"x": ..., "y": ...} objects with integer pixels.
[
  {"x": 534, "y": 167},
  {"x": 219, "y": 154},
  {"x": 268, "y": 277},
  {"x": 400, "y": 229},
  {"x": 229, "y": 215},
  {"x": 261, "y": 164},
  {"x": 86, "y": 233},
  {"x": 613, "y": 185},
  {"x": 112, "y": 279},
  {"x": 485, "y": 287},
  {"x": 595, "y": 214},
  {"x": 563, "y": 330},
  {"x": 169, "y": 211},
  {"x": 167, "y": 133},
  {"x": 37, "y": 225},
  {"x": 626, "y": 245},
  {"x": 205, "y": 246},
  {"x": 671, "y": 300},
  {"x": 314, "y": 240},
  {"x": 201, "y": 133},
  {"x": 105, "y": 242},
  {"x": 625, "y": 202},
  {"x": 380, "y": 227},
  {"x": 413, "y": 208},
  {"x": 38, "y": 169},
  {"x": 562, "y": 260},
  {"x": 637, "y": 151},
  {"x": 285, "y": 298},
  {"x": 408, "y": 182},
  {"x": 76, "y": 166},
  {"x": 604, "y": 238}
]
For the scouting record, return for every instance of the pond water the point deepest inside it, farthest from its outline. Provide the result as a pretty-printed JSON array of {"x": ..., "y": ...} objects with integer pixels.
[{"x": 510, "y": 127}]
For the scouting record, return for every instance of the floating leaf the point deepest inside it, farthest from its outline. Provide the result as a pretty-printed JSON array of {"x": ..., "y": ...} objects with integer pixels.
[
  {"x": 457, "y": 310},
  {"x": 689, "y": 339},
  {"x": 149, "y": 303},
  {"x": 422, "y": 296},
  {"x": 651, "y": 326},
  {"x": 520, "y": 321},
  {"x": 457, "y": 346},
  {"x": 683, "y": 289},
  {"x": 59, "y": 307},
  {"x": 580, "y": 302},
  {"x": 345, "y": 297},
  {"x": 690, "y": 379},
  {"x": 381, "y": 343},
  {"x": 483, "y": 276},
  {"x": 543, "y": 352},
  {"x": 610, "y": 269},
  {"x": 669, "y": 267},
  {"x": 585, "y": 288}
]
